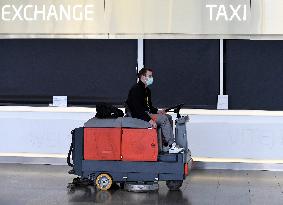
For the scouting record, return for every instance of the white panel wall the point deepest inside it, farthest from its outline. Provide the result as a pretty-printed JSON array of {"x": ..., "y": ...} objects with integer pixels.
[
  {"x": 38, "y": 131},
  {"x": 233, "y": 136},
  {"x": 213, "y": 134}
]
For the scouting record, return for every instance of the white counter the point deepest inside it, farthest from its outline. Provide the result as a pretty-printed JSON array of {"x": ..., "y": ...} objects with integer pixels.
[{"x": 43, "y": 133}]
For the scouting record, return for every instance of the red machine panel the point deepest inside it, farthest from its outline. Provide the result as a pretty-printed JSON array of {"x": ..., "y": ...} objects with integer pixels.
[
  {"x": 102, "y": 143},
  {"x": 139, "y": 145}
]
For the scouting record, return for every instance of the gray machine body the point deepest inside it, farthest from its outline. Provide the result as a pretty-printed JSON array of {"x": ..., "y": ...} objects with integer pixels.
[
  {"x": 181, "y": 136},
  {"x": 167, "y": 167}
]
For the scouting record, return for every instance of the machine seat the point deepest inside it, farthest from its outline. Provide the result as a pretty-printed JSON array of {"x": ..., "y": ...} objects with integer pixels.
[{"x": 124, "y": 122}]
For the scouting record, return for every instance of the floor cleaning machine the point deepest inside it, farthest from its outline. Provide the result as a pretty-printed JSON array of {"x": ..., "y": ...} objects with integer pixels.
[{"x": 129, "y": 152}]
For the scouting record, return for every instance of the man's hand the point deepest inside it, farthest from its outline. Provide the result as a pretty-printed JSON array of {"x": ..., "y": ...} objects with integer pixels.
[
  {"x": 153, "y": 124},
  {"x": 162, "y": 112}
]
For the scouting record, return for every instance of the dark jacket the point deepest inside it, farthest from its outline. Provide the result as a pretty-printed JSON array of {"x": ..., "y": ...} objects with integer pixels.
[{"x": 139, "y": 102}]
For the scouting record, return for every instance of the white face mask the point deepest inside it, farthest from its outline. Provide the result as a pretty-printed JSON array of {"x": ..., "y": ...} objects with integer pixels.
[{"x": 149, "y": 81}]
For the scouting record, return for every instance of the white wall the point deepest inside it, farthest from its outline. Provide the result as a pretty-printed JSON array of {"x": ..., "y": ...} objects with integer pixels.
[
  {"x": 236, "y": 136},
  {"x": 39, "y": 131},
  {"x": 45, "y": 132}
]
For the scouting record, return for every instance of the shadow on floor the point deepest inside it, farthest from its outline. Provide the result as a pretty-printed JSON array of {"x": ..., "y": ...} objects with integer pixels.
[{"x": 90, "y": 195}]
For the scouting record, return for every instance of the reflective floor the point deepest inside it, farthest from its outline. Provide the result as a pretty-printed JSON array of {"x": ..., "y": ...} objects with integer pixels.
[{"x": 46, "y": 184}]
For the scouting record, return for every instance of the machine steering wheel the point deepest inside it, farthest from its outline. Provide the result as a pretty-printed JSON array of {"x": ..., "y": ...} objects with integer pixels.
[{"x": 176, "y": 109}]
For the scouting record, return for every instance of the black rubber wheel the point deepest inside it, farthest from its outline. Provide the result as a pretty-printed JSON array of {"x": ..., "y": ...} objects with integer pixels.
[
  {"x": 76, "y": 180},
  {"x": 174, "y": 185}
]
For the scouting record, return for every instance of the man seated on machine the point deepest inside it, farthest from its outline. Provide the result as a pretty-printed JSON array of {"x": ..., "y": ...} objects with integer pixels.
[{"x": 140, "y": 106}]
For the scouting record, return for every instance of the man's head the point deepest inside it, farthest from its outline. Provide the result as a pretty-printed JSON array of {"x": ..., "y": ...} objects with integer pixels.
[{"x": 145, "y": 75}]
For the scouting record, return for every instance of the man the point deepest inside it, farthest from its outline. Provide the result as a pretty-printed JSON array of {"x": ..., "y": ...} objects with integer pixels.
[{"x": 140, "y": 106}]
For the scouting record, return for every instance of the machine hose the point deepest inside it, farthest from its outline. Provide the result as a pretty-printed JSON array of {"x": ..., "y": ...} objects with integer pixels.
[{"x": 69, "y": 155}]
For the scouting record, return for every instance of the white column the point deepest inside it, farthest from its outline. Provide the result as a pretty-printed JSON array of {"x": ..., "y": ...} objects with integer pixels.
[{"x": 140, "y": 54}]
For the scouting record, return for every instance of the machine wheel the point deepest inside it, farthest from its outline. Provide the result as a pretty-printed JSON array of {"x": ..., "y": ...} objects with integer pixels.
[
  {"x": 174, "y": 185},
  {"x": 103, "y": 181}
]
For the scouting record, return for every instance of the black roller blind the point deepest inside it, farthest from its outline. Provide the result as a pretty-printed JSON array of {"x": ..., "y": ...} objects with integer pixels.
[
  {"x": 87, "y": 71},
  {"x": 185, "y": 71},
  {"x": 254, "y": 71}
]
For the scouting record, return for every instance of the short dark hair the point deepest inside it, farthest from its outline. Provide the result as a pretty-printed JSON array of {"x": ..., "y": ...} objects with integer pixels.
[{"x": 143, "y": 72}]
